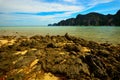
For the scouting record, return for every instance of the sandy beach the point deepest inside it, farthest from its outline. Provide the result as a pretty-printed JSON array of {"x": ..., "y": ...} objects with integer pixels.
[{"x": 57, "y": 58}]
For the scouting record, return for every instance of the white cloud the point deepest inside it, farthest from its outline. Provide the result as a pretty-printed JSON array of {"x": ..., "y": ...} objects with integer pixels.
[
  {"x": 95, "y": 2},
  {"x": 22, "y": 19},
  {"x": 37, "y": 6},
  {"x": 34, "y": 6},
  {"x": 72, "y": 1}
]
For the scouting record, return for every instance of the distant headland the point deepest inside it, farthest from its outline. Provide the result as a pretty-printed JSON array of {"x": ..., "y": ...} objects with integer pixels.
[{"x": 91, "y": 19}]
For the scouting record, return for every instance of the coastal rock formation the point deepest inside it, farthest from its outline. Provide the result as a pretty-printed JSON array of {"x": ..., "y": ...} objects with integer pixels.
[
  {"x": 91, "y": 19},
  {"x": 58, "y": 58}
]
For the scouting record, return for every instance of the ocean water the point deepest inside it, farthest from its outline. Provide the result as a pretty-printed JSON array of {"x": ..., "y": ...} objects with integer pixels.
[{"x": 94, "y": 33}]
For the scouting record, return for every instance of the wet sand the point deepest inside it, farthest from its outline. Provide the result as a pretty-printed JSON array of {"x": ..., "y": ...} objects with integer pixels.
[{"x": 57, "y": 58}]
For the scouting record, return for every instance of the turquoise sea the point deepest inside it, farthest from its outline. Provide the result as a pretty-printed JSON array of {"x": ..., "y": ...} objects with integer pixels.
[{"x": 110, "y": 34}]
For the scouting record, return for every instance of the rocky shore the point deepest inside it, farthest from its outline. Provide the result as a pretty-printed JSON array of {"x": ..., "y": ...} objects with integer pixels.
[{"x": 57, "y": 58}]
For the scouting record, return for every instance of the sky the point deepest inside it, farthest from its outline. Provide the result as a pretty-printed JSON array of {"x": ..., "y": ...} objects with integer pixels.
[{"x": 44, "y": 12}]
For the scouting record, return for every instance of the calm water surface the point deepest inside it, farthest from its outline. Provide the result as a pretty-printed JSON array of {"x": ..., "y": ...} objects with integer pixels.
[{"x": 99, "y": 34}]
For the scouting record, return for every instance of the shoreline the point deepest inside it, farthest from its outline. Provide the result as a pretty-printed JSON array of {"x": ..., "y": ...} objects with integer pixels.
[
  {"x": 97, "y": 34},
  {"x": 57, "y": 58}
]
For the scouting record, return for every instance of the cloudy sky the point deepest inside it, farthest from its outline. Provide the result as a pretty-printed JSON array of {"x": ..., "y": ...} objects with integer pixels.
[{"x": 43, "y": 12}]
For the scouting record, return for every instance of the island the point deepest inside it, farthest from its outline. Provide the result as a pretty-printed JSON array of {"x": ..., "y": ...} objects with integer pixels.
[{"x": 91, "y": 19}]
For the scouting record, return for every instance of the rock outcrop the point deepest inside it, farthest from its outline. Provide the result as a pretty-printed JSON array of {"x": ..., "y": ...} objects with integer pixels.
[{"x": 59, "y": 58}]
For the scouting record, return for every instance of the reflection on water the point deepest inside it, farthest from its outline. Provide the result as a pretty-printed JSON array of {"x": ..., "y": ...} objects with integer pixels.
[{"x": 99, "y": 34}]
